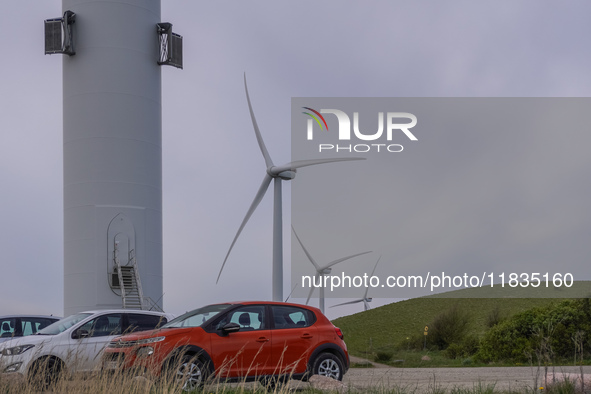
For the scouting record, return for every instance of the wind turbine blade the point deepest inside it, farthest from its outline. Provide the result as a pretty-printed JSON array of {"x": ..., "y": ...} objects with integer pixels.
[
  {"x": 257, "y": 132},
  {"x": 294, "y": 165},
  {"x": 312, "y": 289},
  {"x": 318, "y": 269},
  {"x": 342, "y": 259},
  {"x": 292, "y": 290},
  {"x": 257, "y": 199},
  {"x": 375, "y": 266},
  {"x": 366, "y": 305},
  {"x": 348, "y": 303},
  {"x": 372, "y": 272}
]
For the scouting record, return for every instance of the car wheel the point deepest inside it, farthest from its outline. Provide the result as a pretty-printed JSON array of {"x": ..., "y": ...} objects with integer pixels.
[
  {"x": 329, "y": 365},
  {"x": 190, "y": 373},
  {"x": 46, "y": 372}
]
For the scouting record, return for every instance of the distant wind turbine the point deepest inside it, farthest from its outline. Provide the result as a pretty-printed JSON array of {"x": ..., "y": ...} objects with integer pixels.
[
  {"x": 285, "y": 172},
  {"x": 365, "y": 299},
  {"x": 321, "y": 271}
]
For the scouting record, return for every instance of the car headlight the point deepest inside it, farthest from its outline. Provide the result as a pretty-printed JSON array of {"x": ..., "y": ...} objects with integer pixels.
[
  {"x": 150, "y": 340},
  {"x": 14, "y": 351},
  {"x": 118, "y": 343}
]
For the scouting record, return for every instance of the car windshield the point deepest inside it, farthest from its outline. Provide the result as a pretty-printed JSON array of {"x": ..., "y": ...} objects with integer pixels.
[
  {"x": 197, "y": 317},
  {"x": 62, "y": 325}
]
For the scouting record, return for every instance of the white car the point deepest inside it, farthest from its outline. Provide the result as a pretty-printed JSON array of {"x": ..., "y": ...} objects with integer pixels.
[{"x": 73, "y": 344}]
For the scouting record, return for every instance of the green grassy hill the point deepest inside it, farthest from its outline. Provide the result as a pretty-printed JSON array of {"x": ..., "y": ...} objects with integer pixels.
[{"x": 395, "y": 324}]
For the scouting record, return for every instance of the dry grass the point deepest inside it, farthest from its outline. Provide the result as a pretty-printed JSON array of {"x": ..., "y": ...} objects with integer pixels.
[{"x": 138, "y": 381}]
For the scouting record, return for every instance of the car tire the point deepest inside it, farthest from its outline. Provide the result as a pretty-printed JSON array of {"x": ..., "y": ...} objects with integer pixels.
[
  {"x": 329, "y": 365},
  {"x": 46, "y": 372},
  {"x": 189, "y": 373}
]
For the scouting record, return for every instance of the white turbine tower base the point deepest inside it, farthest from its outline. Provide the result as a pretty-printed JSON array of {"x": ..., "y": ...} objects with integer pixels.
[
  {"x": 112, "y": 153},
  {"x": 285, "y": 172},
  {"x": 321, "y": 271},
  {"x": 366, "y": 300}
]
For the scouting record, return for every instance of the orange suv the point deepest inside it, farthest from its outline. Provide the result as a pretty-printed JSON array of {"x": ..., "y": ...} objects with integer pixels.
[{"x": 265, "y": 341}]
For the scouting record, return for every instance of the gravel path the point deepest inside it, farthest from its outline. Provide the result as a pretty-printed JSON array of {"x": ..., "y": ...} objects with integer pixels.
[
  {"x": 503, "y": 378},
  {"x": 418, "y": 380}
]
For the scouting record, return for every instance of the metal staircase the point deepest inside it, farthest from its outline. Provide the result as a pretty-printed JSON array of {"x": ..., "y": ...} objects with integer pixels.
[{"x": 129, "y": 282}]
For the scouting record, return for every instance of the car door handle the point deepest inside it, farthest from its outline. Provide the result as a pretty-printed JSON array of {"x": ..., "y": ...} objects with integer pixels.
[
  {"x": 306, "y": 336},
  {"x": 263, "y": 339}
]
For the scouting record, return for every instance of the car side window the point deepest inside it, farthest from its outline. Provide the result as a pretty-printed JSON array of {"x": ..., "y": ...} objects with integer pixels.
[
  {"x": 28, "y": 327},
  {"x": 33, "y": 324},
  {"x": 291, "y": 317},
  {"x": 104, "y": 325},
  {"x": 7, "y": 327},
  {"x": 249, "y": 317},
  {"x": 139, "y": 322}
]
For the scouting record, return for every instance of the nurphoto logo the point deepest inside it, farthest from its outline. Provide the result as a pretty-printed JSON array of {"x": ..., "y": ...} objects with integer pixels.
[{"x": 393, "y": 127}]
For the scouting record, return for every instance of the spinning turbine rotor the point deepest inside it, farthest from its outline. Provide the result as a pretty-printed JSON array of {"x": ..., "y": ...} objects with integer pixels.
[
  {"x": 285, "y": 172},
  {"x": 321, "y": 271},
  {"x": 366, "y": 300}
]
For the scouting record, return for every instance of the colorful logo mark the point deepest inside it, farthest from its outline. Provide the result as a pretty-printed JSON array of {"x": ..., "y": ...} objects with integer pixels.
[{"x": 315, "y": 118}]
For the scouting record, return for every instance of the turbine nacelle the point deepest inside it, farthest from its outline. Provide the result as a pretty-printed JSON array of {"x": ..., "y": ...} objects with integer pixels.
[
  {"x": 287, "y": 175},
  {"x": 326, "y": 271}
]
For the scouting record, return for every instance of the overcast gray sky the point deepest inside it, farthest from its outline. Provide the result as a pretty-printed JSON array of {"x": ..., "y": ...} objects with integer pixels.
[
  {"x": 212, "y": 167},
  {"x": 491, "y": 187}
]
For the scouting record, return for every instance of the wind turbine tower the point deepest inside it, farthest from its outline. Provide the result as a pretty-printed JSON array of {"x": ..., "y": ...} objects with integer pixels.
[{"x": 112, "y": 122}]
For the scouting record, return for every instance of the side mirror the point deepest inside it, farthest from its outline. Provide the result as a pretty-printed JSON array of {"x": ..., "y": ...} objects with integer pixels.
[
  {"x": 80, "y": 333},
  {"x": 230, "y": 327}
]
